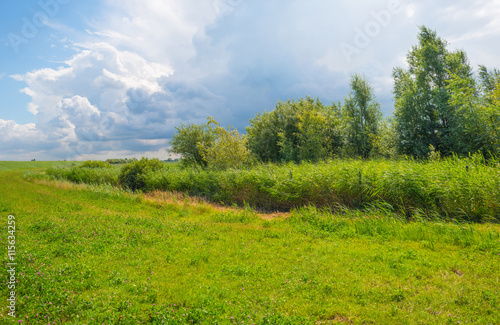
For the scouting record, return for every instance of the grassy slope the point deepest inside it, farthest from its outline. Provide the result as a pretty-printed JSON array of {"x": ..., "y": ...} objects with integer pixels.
[
  {"x": 97, "y": 255},
  {"x": 24, "y": 165}
]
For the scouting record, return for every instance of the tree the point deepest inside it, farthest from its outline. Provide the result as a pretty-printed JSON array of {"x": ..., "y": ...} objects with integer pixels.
[
  {"x": 318, "y": 134},
  {"x": 133, "y": 175},
  {"x": 385, "y": 142},
  {"x": 488, "y": 80},
  {"x": 228, "y": 150},
  {"x": 423, "y": 115},
  {"x": 189, "y": 139},
  {"x": 210, "y": 145},
  {"x": 296, "y": 130},
  {"x": 362, "y": 117},
  {"x": 476, "y": 120}
]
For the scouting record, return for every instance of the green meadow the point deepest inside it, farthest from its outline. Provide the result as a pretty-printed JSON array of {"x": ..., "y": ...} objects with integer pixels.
[{"x": 90, "y": 252}]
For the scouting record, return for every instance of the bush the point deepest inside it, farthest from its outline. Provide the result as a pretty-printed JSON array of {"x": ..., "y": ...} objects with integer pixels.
[
  {"x": 449, "y": 188},
  {"x": 298, "y": 130},
  {"x": 94, "y": 164},
  {"x": 229, "y": 149},
  {"x": 120, "y": 161},
  {"x": 86, "y": 175},
  {"x": 188, "y": 142},
  {"x": 132, "y": 175}
]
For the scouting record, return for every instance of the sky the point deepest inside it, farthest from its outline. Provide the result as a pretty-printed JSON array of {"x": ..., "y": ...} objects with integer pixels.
[{"x": 113, "y": 78}]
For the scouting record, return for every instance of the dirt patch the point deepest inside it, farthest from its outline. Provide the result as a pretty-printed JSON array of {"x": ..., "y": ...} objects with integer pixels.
[{"x": 181, "y": 198}]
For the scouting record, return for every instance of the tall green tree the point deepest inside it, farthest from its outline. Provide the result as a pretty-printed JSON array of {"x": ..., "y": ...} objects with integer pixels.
[
  {"x": 385, "y": 142},
  {"x": 423, "y": 114},
  {"x": 362, "y": 117},
  {"x": 475, "y": 123},
  {"x": 210, "y": 145},
  {"x": 228, "y": 150},
  {"x": 296, "y": 130},
  {"x": 189, "y": 141},
  {"x": 488, "y": 80}
]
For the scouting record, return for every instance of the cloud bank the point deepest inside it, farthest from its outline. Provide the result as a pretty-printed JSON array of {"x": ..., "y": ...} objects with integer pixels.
[{"x": 144, "y": 68}]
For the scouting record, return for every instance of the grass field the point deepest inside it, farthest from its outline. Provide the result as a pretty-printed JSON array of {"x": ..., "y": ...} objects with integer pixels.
[{"x": 96, "y": 254}]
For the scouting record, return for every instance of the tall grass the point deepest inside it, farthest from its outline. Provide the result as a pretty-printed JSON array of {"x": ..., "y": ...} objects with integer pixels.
[
  {"x": 87, "y": 175},
  {"x": 452, "y": 188},
  {"x": 319, "y": 223}
]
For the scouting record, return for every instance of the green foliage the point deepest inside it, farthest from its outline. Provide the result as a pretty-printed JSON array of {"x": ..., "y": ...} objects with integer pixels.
[
  {"x": 488, "y": 80},
  {"x": 302, "y": 130},
  {"x": 80, "y": 175},
  {"x": 25, "y": 165},
  {"x": 385, "y": 143},
  {"x": 120, "y": 161},
  {"x": 361, "y": 119},
  {"x": 211, "y": 146},
  {"x": 228, "y": 150},
  {"x": 448, "y": 188},
  {"x": 422, "y": 111},
  {"x": 94, "y": 164},
  {"x": 433, "y": 154},
  {"x": 189, "y": 141},
  {"x": 476, "y": 122},
  {"x": 132, "y": 175}
]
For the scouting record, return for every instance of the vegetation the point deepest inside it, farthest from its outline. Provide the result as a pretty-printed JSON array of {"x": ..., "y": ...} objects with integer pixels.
[
  {"x": 189, "y": 141},
  {"x": 362, "y": 118},
  {"x": 448, "y": 188},
  {"x": 228, "y": 149},
  {"x": 438, "y": 102},
  {"x": 77, "y": 174},
  {"x": 440, "y": 109},
  {"x": 102, "y": 255},
  {"x": 302, "y": 130},
  {"x": 120, "y": 161},
  {"x": 25, "y": 165},
  {"x": 132, "y": 174},
  {"x": 94, "y": 164}
]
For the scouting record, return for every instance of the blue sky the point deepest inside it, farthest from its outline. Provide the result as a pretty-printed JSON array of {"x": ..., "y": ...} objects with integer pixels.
[{"x": 112, "y": 78}]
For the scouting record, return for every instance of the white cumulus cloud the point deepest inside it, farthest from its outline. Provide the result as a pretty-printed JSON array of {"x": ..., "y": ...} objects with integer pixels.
[
  {"x": 99, "y": 96},
  {"x": 143, "y": 67}
]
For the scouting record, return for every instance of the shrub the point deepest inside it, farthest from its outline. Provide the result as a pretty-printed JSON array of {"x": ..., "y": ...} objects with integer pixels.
[
  {"x": 298, "y": 130},
  {"x": 132, "y": 175},
  {"x": 229, "y": 150},
  {"x": 449, "y": 188},
  {"x": 94, "y": 164},
  {"x": 77, "y": 174},
  {"x": 120, "y": 161},
  {"x": 188, "y": 141}
]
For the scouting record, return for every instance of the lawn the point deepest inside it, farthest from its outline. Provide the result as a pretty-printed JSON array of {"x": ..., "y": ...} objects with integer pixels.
[{"x": 94, "y": 254}]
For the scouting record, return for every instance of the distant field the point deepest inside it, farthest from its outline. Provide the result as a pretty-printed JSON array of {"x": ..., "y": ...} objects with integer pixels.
[
  {"x": 94, "y": 254},
  {"x": 24, "y": 165}
]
